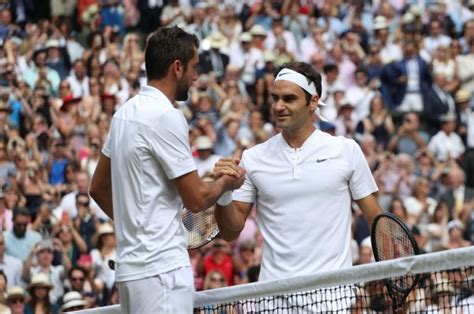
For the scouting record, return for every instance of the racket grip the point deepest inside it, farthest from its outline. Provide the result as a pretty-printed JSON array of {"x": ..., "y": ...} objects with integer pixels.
[{"x": 225, "y": 199}]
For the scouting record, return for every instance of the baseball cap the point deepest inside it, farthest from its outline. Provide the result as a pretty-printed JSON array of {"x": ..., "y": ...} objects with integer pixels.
[{"x": 203, "y": 143}]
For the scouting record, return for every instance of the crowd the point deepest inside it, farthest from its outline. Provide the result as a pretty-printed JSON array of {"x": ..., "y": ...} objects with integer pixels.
[{"x": 398, "y": 77}]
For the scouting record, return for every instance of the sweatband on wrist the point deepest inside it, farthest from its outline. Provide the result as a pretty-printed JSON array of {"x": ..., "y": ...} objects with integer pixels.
[{"x": 225, "y": 199}]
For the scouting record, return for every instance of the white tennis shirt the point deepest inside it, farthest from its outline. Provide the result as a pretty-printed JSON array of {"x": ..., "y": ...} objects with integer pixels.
[
  {"x": 303, "y": 200},
  {"x": 148, "y": 146}
]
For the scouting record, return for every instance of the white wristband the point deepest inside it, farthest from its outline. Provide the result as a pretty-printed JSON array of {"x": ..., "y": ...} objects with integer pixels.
[{"x": 225, "y": 199}]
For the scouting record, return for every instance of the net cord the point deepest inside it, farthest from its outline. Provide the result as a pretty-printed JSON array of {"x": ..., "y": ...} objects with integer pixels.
[
  {"x": 363, "y": 273},
  {"x": 431, "y": 262}
]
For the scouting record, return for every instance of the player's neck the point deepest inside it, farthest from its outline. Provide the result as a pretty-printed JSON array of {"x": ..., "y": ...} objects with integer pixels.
[
  {"x": 296, "y": 138},
  {"x": 167, "y": 88}
]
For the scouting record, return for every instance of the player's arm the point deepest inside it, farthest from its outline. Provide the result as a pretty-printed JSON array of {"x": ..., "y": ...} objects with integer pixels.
[
  {"x": 369, "y": 207},
  {"x": 101, "y": 185},
  {"x": 198, "y": 195},
  {"x": 231, "y": 219}
]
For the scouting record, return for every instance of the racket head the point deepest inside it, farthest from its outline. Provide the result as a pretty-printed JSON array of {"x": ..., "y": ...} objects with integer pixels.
[
  {"x": 392, "y": 239},
  {"x": 201, "y": 228}
]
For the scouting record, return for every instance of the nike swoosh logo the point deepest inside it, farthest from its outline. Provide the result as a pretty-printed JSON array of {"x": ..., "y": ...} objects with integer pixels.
[
  {"x": 321, "y": 160},
  {"x": 281, "y": 74}
]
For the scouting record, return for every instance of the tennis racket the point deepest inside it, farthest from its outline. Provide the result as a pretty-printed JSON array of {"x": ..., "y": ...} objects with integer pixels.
[
  {"x": 201, "y": 228},
  {"x": 392, "y": 239}
]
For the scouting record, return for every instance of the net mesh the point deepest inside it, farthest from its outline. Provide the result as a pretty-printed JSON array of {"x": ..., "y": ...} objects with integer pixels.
[{"x": 445, "y": 285}]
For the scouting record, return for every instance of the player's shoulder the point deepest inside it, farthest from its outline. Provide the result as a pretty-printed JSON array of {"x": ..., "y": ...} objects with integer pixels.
[{"x": 266, "y": 148}]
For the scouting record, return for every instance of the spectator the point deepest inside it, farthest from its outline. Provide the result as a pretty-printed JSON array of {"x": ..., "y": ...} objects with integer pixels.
[
  {"x": 78, "y": 279},
  {"x": 458, "y": 194},
  {"x": 38, "y": 289},
  {"x": 214, "y": 279},
  {"x": 446, "y": 144},
  {"x": 409, "y": 137},
  {"x": 104, "y": 251},
  {"x": 43, "y": 254},
  {"x": 205, "y": 158},
  {"x": 16, "y": 300},
  {"x": 219, "y": 258},
  {"x": 438, "y": 102},
  {"x": 9, "y": 265},
  {"x": 20, "y": 240},
  {"x": 73, "y": 301}
]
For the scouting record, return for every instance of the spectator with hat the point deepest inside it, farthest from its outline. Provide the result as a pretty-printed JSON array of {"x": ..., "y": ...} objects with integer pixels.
[
  {"x": 446, "y": 144},
  {"x": 40, "y": 261},
  {"x": 105, "y": 249},
  {"x": 346, "y": 121},
  {"x": 73, "y": 301},
  {"x": 465, "y": 117},
  {"x": 205, "y": 158},
  {"x": 248, "y": 59},
  {"x": 213, "y": 59},
  {"x": 16, "y": 300},
  {"x": 39, "y": 288}
]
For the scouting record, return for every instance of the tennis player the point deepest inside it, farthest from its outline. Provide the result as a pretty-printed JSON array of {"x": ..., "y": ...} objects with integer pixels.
[
  {"x": 302, "y": 181},
  {"x": 146, "y": 173}
]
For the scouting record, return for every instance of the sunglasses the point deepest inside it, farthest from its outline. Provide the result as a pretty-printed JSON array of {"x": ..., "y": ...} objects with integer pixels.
[
  {"x": 77, "y": 278},
  {"x": 15, "y": 301}
]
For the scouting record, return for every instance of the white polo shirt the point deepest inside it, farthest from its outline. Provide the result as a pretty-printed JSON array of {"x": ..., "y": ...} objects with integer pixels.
[
  {"x": 303, "y": 201},
  {"x": 148, "y": 146}
]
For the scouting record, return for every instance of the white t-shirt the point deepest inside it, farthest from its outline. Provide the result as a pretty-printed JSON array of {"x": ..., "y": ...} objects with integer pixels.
[
  {"x": 443, "y": 145},
  {"x": 303, "y": 201},
  {"x": 148, "y": 145}
]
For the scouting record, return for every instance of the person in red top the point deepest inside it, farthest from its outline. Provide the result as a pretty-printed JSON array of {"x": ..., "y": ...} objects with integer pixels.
[{"x": 219, "y": 258}]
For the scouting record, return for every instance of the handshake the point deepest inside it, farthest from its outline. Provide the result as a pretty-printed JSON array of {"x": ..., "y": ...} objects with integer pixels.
[{"x": 230, "y": 172}]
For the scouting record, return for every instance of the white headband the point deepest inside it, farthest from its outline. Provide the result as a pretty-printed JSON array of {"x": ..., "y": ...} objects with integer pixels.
[{"x": 299, "y": 79}]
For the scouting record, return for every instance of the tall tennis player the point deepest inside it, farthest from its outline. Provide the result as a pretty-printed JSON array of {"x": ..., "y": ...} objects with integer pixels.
[
  {"x": 146, "y": 173},
  {"x": 302, "y": 181}
]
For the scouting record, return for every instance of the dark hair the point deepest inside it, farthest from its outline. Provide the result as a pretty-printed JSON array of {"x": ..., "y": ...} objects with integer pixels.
[
  {"x": 79, "y": 194},
  {"x": 166, "y": 45},
  {"x": 330, "y": 67},
  {"x": 307, "y": 70},
  {"x": 79, "y": 268},
  {"x": 21, "y": 211}
]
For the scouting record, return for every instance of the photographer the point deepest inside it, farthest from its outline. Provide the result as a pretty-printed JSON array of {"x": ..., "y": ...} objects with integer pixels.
[{"x": 409, "y": 138}]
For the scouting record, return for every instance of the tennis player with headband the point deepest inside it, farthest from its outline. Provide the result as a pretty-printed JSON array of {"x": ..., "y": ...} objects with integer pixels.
[{"x": 302, "y": 182}]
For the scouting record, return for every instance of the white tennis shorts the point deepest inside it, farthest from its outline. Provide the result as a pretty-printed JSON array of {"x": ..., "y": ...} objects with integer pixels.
[{"x": 171, "y": 292}]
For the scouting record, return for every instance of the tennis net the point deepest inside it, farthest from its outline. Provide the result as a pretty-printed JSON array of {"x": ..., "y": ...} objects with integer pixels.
[{"x": 445, "y": 285}]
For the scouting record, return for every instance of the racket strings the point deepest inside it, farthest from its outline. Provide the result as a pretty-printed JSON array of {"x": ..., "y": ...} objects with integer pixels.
[
  {"x": 200, "y": 227},
  {"x": 394, "y": 243}
]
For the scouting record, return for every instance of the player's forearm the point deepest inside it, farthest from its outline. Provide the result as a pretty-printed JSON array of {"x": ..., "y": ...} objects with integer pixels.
[
  {"x": 229, "y": 221},
  {"x": 369, "y": 207}
]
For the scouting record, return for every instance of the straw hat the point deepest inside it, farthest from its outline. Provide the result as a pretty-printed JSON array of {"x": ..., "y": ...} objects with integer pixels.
[
  {"x": 40, "y": 280},
  {"x": 258, "y": 30},
  {"x": 245, "y": 37},
  {"x": 72, "y": 299},
  {"x": 462, "y": 95},
  {"x": 217, "y": 41},
  {"x": 105, "y": 228},
  {"x": 15, "y": 291}
]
